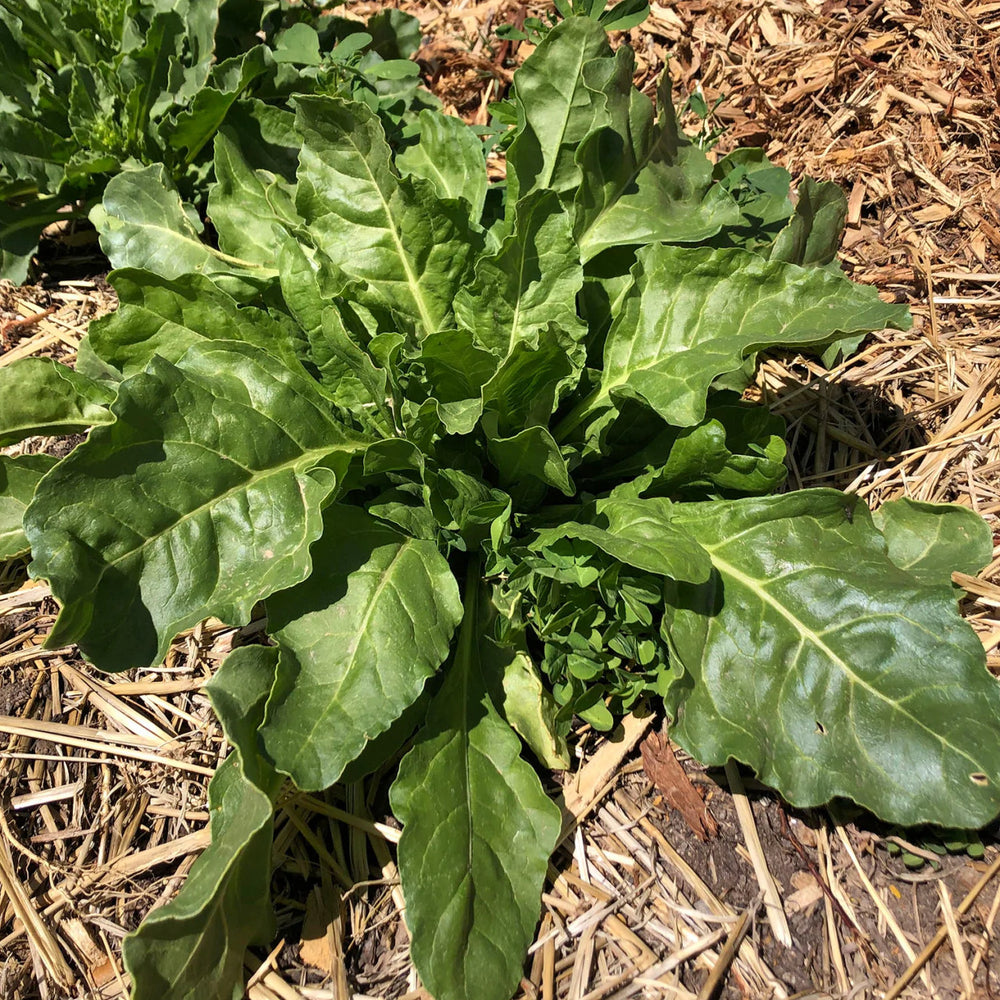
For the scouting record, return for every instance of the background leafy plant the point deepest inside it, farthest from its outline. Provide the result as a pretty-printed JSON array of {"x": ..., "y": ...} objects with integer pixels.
[
  {"x": 90, "y": 89},
  {"x": 479, "y": 451}
]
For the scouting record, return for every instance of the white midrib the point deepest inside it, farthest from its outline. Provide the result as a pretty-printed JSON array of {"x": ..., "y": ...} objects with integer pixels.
[
  {"x": 305, "y": 456},
  {"x": 411, "y": 278},
  {"x": 727, "y": 569},
  {"x": 361, "y": 630}
]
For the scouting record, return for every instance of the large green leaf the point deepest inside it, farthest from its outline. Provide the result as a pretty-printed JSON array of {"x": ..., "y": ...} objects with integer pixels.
[
  {"x": 697, "y": 314},
  {"x": 638, "y": 533},
  {"x": 411, "y": 248},
  {"x": 816, "y": 660},
  {"x": 143, "y": 224},
  {"x": 201, "y": 499},
  {"x": 530, "y": 283},
  {"x": 644, "y": 181},
  {"x": 166, "y": 316},
  {"x": 450, "y": 156},
  {"x": 478, "y": 830},
  {"x": 42, "y": 396},
  {"x": 193, "y": 948},
  {"x": 560, "y": 100},
  {"x": 358, "y": 641},
  {"x": 18, "y": 479}
]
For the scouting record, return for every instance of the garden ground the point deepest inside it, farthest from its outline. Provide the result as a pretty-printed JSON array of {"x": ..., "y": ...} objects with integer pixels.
[{"x": 671, "y": 881}]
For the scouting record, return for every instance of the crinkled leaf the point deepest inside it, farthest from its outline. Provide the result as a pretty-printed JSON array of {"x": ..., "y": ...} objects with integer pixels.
[
  {"x": 530, "y": 454},
  {"x": 478, "y": 830},
  {"x": 42, "y": 396},
  {"x": 166, "y": 316},
  {"x": 450, "y": 156},
  {"x": 558, "y": 106},
  {"x": 18, "y": 479},
  {"x": 252, "y": 210},
  {"x": 829, "y": 670},
  {"x": 523, "y": 389},
  {"x": 196, "y": 125},
  {"x": 193, "y": 948},
  {"x": 638, "y": 533},
  {"x": 143, "y": 224},
  {"x": 150, "y": 73},
  {"x": 358, "y": 641},
  {"x": 529, "y": 284},
  {"x": 201, "y": 499},
  {"x": 697, "y": 314},
  {"x": 933, "y": 540},
  {"x": 28, "y": 150},
  {"x": 411, "y": 248},
  {"x": 644, "y": 181}
]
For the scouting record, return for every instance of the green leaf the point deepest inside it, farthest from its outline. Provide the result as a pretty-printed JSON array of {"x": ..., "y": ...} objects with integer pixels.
[
  {"x": 478, "y": 830},
  {"x": 644, "y": 181},
  {"x": 143, "y": 224},
  {"x": 196, "y": 126},
  {"x": 529, "y": 708},
  {"x": 450, "y": 156},
  {"x": 358, "y": 641},
  {"x": 18, "y": 479},
  {"x": 559, "y": 103},
  {"x": 829, "y": 670},
  {"x": 932, "y": 540},
  {"x": 150, "y": 74},
  {"x": 530, "y": 284},
  {"x": 40, "y": 396},
  {"x": 193, "y": 947},
  {"x": 28, "y": 150},
  {"x": 812, "y": 236},
  {"x": 639, "y": 533},
  {"x": 201, "y": 499},
  {"x": 298, "y": 44},
  {"x": 530, "y": 454},
  {"x": 252, "y": 210},
  {"x": 165, "y": 317},
  {"x": 624, "y": 15},
  {"x": 523, "y": 389},
  {"x": 697, "y": 314},
  {"x": 412, "y": 249}
]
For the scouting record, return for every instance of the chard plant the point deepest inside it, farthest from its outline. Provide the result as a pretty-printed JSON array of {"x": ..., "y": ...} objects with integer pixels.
[
  {"x": 481, "y": 453},
  {"x": 93, "y": 87}
]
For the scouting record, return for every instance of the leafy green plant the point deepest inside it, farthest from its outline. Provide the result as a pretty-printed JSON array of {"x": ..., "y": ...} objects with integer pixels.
[
  {"x": 90, "y": 89},
  {"x": 480, "y": 451}
]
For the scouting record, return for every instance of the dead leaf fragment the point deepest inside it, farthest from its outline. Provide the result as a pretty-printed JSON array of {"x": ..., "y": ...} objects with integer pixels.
[{"x": 665, "y": 772}]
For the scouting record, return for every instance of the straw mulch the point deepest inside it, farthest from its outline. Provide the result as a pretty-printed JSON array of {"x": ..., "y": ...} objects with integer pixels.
[{"x": 671, "y": 882}]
